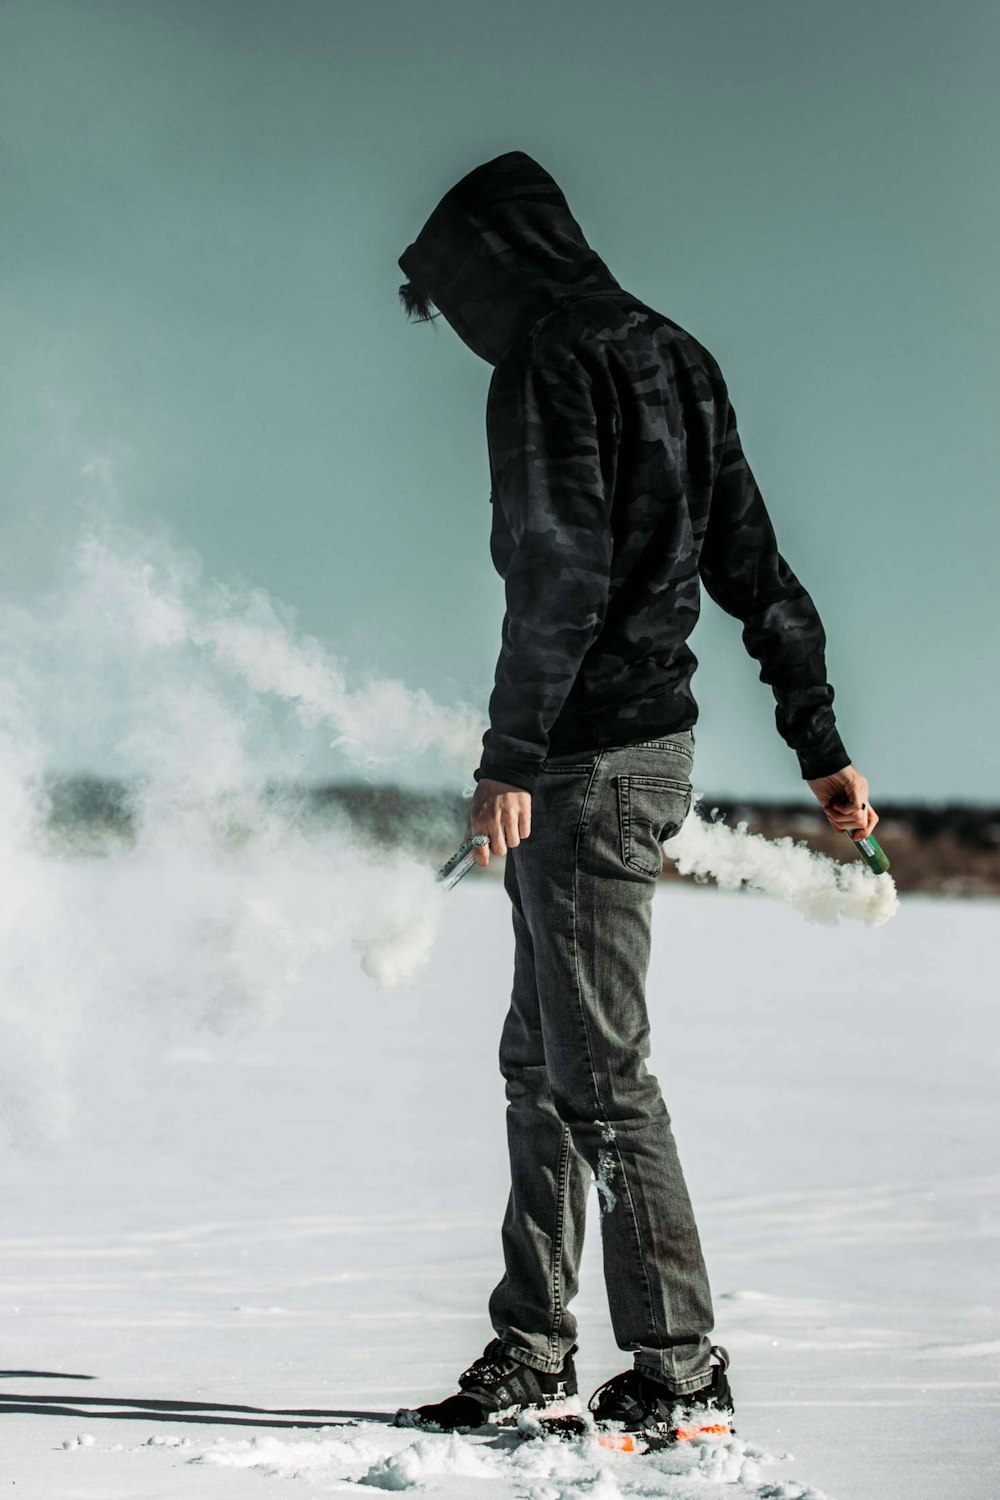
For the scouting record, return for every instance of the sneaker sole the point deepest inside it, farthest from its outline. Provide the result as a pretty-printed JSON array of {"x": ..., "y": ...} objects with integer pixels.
[
  {"x": 555, "y": 1409},
  {"x": 569, "y": 1427}
]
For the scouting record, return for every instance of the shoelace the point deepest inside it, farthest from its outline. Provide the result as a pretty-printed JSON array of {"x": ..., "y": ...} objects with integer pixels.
[
  {"x": 626, "y": 1381},
  {"x": 487, "y": 1369}
]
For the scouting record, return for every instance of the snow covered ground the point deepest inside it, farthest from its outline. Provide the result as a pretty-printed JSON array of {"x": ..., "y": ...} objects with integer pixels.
[{"x": 253, "y": 1245}]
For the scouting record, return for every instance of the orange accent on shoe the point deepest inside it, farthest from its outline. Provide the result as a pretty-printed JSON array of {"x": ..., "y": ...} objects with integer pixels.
[
  {"x": 685, "y": 1434},
  {"x": 625, "y": 1442},
  {"x": 622, "y": 1442}
]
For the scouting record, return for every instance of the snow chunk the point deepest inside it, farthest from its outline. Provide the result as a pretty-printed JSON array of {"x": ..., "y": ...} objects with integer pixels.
[{"x": 427, "y": 1457}]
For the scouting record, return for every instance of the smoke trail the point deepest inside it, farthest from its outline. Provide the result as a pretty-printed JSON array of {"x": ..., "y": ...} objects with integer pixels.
[
  {"x": 818, "y": 887},
  {"x": 162, "y": 607}
]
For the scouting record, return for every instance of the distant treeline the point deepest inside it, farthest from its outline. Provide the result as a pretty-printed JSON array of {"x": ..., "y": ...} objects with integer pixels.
[{"x": 950, "y": 848}]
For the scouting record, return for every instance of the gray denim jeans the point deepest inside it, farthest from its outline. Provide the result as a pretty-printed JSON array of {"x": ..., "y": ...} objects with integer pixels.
[{"x": 582, "y": 1105}]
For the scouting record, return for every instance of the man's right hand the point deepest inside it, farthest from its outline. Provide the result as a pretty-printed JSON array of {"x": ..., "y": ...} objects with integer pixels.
[
  {"x": 844, "y": 799},
  {"x": 504, "y": 813}
]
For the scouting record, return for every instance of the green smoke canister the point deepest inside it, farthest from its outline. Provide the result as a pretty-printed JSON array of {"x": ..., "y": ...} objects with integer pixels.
[{"x": 872, "y": 853}]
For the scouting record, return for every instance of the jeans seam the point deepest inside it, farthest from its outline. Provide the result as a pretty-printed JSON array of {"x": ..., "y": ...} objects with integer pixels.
[
  {"x": 624, "y": 817},
  {"x": 576, "y": 944},
  {"x": 555, "y": 1272},
  {"x": 663, "y": 745},
  {"x": 638, "y": 1242}
]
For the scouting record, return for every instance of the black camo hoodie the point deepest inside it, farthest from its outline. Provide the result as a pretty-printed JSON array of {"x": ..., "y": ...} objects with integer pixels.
[{"x": 619, "y": 485}]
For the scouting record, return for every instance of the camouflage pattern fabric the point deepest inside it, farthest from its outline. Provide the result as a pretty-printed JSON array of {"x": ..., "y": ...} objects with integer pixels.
[{"x": 619, "y": 486}]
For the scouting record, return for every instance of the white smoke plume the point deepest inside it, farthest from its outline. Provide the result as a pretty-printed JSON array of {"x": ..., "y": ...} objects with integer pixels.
[
  {"x": 819, "y": 888},
  {"x": 161, "y": 607},
  {"x": 222, "y": 898}
]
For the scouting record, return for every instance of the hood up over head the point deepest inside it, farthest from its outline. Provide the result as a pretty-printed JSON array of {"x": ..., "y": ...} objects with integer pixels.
[{"x": 500, "y": 251}]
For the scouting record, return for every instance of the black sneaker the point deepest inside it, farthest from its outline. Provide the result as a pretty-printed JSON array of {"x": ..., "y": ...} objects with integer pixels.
[
  {"x": 637, "y": 1404},
  {"x": 494, "y": 1389}
]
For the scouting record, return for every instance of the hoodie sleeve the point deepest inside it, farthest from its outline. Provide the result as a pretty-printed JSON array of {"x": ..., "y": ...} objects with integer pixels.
[
  {"x": 551, "y": 453},
  {"x": 745, "y": 573}
]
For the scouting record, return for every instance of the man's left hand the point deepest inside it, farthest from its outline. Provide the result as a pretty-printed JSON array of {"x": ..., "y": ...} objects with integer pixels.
[
  {"x": 844, "y": 798},
  {"x": 501, "y": 811}
]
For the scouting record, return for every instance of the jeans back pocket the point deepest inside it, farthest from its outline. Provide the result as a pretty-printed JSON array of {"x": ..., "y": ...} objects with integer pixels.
[{"x": 651, "y": 809}]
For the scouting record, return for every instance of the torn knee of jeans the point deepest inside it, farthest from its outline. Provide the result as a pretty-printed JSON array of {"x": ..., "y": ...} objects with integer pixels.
[{"x": 607, "y": 1168}]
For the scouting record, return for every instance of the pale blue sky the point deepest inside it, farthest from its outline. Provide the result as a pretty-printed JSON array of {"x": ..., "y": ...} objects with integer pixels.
[{"x": 204, "y": 201}]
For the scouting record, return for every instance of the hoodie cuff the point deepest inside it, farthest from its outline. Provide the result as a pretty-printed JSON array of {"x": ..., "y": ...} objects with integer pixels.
[
  {"x": 522, "y": 777},
  {"x": 825, "y": 759}
]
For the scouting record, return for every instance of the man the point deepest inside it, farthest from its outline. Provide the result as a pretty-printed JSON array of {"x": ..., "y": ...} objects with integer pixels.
[{"x": 618, "y": 485}]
